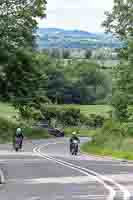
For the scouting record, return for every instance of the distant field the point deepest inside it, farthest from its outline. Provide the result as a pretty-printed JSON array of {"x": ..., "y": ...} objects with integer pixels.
[{"x": 90, "y": 109}]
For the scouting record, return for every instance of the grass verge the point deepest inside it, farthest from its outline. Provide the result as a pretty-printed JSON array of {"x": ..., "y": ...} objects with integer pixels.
[{"x": 105, "y": 151}]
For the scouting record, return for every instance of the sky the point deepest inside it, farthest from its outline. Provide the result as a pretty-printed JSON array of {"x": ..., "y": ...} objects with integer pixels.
[{"x": 76, "y": 14}]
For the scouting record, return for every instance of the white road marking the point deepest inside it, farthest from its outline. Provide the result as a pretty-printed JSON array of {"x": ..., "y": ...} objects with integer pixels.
[
  {"x": 9, "y": 153},
  {"x": 58, "y": 180},
  {"x": 112, "y": 192},
  {"x": 95, "y": 197},
  {"x": 100, "y": 178},
  {"x": 21, "y": 160}
]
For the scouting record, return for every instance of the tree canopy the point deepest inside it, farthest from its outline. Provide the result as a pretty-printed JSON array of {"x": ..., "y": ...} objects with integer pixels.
[
  {"x": 19, "y": 76},
  {"x": 120, "y": 23}
]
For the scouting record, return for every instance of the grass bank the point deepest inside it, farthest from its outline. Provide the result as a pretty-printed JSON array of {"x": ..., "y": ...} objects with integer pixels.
[
  {"x": 100, "y": 151},
  {"x": 112, "y": 140}
]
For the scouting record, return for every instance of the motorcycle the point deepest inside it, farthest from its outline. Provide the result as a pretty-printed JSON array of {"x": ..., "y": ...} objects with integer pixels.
[
  {"x": 17, "y": 145},
  {"x": 74, "y": 147}
]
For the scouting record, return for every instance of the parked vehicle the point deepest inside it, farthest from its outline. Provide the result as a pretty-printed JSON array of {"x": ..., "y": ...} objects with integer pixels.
[{"x": 56, "y": 132}]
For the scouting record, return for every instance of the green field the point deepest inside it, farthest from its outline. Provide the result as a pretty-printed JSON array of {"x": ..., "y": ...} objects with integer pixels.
[{"x": 90, "y": 109}]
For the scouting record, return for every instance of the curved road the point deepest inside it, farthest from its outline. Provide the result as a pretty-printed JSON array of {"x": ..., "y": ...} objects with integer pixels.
[{"x": 46, "y": 171}]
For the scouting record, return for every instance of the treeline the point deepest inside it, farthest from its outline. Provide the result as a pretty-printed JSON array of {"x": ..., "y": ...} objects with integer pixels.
[{"x": 41, "y": 76}]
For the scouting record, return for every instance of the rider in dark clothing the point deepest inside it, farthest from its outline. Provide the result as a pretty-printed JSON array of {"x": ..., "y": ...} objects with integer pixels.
[
  {"x": 19, "y": 135},
  {"x": 74, "y": 137}
]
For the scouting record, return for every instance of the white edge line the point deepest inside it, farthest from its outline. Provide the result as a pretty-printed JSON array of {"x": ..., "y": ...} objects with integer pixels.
[{"x": 112, "y": 193}]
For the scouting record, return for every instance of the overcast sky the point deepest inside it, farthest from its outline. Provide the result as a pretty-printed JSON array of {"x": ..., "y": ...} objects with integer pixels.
[{"x": 76, "y": 14}]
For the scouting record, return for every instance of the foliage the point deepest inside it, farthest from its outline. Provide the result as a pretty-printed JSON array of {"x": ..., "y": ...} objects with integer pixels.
[
  {"x": 119, "y": 21},
  {"x": 74, "y": 83},
  {"x": 7, "y": 129},
  {"x": 113, "y": 139},
  {"x": 112, "y": 130},
  {"x": 19, "y": 77},
  {"x": 88, "y": 54},
  {"x": 66, "y": 54},
  {"x": 120, "y": 104}
]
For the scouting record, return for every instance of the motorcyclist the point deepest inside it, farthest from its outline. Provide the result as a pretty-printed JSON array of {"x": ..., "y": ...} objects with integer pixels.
[
  {"x": 19, "y": 135},
  {"x": 74, "y": 137}
]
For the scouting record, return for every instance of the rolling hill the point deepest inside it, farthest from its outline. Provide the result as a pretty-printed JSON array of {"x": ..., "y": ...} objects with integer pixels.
[{"x": 60, "y": 38}]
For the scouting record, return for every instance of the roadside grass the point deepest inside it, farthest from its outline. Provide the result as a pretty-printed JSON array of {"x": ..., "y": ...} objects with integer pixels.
[
  {"x": 82, "y": 132},
  {"x": 114, "y": 147}
]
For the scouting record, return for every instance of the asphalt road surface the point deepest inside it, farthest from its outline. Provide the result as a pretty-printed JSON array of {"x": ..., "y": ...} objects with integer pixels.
[{"x": 45, "y": 170}]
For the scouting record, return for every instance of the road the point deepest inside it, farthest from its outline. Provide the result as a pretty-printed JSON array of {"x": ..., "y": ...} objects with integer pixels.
[{"x": 46, "y": 171}]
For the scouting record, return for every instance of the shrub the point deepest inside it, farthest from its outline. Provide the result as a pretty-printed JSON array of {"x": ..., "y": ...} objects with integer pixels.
[
  {"x": 7, "y": 130},
  {"x": 110, "y": 132}
]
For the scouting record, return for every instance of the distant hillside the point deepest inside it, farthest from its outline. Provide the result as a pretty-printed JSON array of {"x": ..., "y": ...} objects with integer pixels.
[{"x": 60, "y": 38}]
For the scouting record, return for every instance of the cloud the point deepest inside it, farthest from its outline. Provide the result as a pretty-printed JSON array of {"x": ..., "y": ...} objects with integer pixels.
[{"x": 76, "y": 14}]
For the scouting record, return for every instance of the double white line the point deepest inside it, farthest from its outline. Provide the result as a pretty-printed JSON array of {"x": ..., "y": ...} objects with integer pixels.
[{"x": 108, "y": 183}]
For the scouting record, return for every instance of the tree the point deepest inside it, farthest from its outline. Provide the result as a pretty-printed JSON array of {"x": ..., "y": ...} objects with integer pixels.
[
  {"x": 120, "y": 23},
  {"x": 88, "y": 54},
  {"x": 66, "y": 54},
  {"x": 55, "y": 53},
  {"x": 21, "y": 80}
]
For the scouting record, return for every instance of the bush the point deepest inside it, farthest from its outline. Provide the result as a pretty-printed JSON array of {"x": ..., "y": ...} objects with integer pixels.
[
  {"x": 93, "y": 121},
  {"x": 112, "y": 133},
  {"x": 7, "y": 130}
]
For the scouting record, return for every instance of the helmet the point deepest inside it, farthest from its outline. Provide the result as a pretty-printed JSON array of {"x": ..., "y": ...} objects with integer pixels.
[
  {"x": 73, "y": 133},
  {"x": 18, "y": 131}
]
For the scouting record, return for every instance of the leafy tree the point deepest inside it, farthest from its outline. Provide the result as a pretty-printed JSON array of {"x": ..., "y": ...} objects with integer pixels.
[
  {"x": 119, "y": 102},
  {"x": 120, "y": 23},
  {"x": 88, "y": 54},
  {"x": 55, "y": 53},
  {"x": 20, "y": 79},
  {"x": 66, "y": 54}
]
